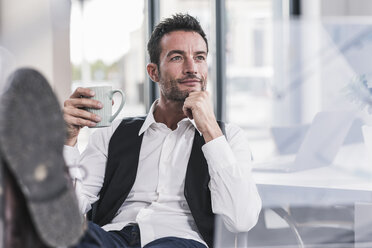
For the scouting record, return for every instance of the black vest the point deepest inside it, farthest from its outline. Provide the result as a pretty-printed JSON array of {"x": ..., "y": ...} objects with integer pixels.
[{"x": 121, "y": 172}]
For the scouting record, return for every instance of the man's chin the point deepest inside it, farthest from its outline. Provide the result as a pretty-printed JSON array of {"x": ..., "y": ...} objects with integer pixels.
[
  {"x": 190, "y": 88},
  {"x": 178, "y": 97},
  {"x": 181, "y": 95},
  {"x": 194, "y": 89}
]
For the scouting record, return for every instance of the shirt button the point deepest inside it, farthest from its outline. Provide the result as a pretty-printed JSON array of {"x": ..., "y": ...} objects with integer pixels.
[{"x": 184, "y": 205}]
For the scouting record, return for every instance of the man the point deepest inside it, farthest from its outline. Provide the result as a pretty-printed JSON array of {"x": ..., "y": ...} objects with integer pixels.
[{"x": 157, "y": 181}]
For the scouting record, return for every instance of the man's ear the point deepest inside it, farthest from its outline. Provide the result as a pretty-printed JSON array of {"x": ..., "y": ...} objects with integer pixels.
[{"x": 152, "y": 70}]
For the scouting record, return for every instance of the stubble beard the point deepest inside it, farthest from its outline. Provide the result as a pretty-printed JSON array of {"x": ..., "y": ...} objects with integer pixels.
[{"x": 171, "y": 91}]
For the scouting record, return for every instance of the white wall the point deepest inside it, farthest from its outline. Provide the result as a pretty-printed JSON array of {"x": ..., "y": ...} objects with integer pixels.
[{"x": 36, "y": 32}]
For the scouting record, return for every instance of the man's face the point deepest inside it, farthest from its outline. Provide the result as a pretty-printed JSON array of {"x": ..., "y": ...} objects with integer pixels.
[{"x": 183, "y": 65}]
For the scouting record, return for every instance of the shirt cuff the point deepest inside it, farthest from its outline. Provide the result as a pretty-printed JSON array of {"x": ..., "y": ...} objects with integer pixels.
[
  {"x": 218, "y": 154},
  {"x": 71, "y": 155}
]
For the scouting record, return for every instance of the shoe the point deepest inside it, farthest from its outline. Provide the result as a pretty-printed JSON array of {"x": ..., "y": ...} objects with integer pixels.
[{"x": 32, "y": 135}]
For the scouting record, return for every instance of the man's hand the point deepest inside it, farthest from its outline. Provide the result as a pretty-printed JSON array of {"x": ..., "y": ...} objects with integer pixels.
[
  {"x": 76, "y": 117},
  {"x": 198, "y": 106}
]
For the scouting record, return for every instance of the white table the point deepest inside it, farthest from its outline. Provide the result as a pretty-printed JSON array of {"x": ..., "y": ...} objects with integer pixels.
[{"x": 325, "y": 186}]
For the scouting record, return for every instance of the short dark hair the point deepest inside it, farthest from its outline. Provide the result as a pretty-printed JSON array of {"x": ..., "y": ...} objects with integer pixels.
[{"x": 177, "y": 22}]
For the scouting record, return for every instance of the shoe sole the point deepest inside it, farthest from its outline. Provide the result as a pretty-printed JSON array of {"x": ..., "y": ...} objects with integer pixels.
[{"x": 32, "y": 135}]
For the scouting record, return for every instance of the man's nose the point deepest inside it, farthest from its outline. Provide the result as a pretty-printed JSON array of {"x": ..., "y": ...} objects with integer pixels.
[{"x": 190, "y": 67}]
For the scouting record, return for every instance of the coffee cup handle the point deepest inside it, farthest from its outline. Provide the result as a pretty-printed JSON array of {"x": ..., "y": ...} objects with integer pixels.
[{"x": 121, "y": 104}]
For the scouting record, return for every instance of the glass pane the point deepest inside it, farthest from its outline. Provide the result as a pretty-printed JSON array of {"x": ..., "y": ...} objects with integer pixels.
[
  {"x": 301, "y": 88},
  {"x": 108, "y": 48},
  {"x": 249, "y": 67}
]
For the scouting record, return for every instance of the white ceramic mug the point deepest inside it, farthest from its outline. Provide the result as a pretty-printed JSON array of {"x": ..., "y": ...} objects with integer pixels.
[{"x": 104, "y": 94}]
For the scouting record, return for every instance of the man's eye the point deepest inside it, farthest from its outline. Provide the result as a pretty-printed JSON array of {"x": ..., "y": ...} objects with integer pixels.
[
  {"x": 200, "y": 58},
  {"x": 176, "y": 58}
]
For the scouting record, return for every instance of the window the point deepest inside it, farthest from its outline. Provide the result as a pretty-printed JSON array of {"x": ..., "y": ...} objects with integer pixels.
[
  {"x": 249, "y": 68},
  {"x": 108, "y": 47}
]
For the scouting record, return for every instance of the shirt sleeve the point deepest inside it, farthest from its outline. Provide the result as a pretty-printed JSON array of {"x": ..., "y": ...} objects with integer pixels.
[
  {"x": 71, "y": 155},
  {"x": 88, "y": 169},
  {"x": 233, "y": 191}
]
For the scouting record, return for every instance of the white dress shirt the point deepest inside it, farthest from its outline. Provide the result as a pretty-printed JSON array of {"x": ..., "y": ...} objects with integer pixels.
[{"x": 156, "y": 201}]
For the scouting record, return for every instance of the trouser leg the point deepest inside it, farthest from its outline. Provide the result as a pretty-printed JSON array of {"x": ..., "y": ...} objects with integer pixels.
[
  {"x": 96, "y": 237},
  {"x": 18, "y": 229},
  {"x": 174, "y": 242}
]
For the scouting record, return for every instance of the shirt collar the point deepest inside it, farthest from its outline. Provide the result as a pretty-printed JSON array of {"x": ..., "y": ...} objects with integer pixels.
[{"x": 150, "y": 120}]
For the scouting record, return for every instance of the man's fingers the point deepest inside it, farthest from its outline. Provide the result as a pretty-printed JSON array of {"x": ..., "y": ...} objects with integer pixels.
[
  {"x": 75, "y": 117},
  {"x": 80, "y": 113},
  {"x": 198, "y": 93},
  {"x": 78, "y": 121},
  {"x": 79, "y": 92},
  {"x": 83, "y": 103},
  {"x": 198, "y": 100}
]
